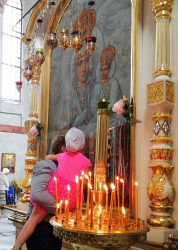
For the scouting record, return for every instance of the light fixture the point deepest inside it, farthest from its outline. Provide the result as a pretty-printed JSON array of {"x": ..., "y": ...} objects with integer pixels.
[
  {"x": 64, "y": 39},
  {"x": 28, "y": 73},
  {"x": 51, "y": 40},
  {"x": 76, "y": 42},
  {"x": 90, "y": 40},
  {"x": 18, "y": 85}
]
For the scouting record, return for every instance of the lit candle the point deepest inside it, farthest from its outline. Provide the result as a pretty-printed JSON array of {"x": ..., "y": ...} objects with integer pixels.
[
  {"x": 57, "y": 211},
  {"x": 77, "y": 198},
  {"x": 100, "y": 192},
  {"x": 81, "y": 200},
  {"x": 91, "y": 225},
  {"x": 122, "y": 181},
  {"x": 117, "y": 184},
  {"x": 88, "y": 196},
  {"x": 100, "y": 216},
  {"x": 114, "y": 199},
  {"x": 111, "y": 204},
  {"x": 106, "y": 211},
  {"x": 124, "y": 214},
  {"x": 89, "y": 175},
  {"x": 66, "y": 210},
  {"x": 55, "y": 179},
  {"x": 60, "y": 207},
  {"x": 68, "y": 194},
  {"x": 136, "y": 201}
]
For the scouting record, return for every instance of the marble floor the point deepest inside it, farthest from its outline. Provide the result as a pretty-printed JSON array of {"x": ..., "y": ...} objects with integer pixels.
[{"x": 7, "y": 233}]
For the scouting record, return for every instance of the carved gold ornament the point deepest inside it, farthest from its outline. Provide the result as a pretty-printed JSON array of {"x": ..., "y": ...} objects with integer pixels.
[
  {"x": 160, "y": 91},
  {"x": 161, "y": 154}
]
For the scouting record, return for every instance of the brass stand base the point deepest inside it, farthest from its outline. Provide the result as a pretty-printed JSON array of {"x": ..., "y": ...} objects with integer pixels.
[
  {"x": 95, "y": 240},
  {"x": 161, "y": 222}
]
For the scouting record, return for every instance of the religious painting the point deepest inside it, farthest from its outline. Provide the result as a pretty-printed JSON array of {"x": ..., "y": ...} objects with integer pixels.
[
  {"x": 8, "y": 161},
  {"x": 79, "y": 79}
]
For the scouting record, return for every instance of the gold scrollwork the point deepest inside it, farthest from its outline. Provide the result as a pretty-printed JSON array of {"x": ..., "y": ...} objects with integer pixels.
[
  {"x": 155, "y": 92},
  {"x": 170, "y": 91}
]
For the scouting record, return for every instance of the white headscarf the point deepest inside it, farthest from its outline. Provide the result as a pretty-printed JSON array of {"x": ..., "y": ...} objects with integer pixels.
[
  {"x": 75, "y": 140},
  {"x": 5, "y": 170}
]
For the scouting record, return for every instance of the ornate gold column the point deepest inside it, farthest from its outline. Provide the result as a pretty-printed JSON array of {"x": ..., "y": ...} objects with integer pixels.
[
  {"x": 101, "y": 143},
  {"x": 32, "y": 152},
  {"x": 160, "y": 95}
]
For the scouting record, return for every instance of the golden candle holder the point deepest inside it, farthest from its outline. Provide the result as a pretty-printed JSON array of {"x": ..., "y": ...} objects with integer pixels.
[
  {"x": 123, "y": 232},
  {"x": 104, "y": 225}
]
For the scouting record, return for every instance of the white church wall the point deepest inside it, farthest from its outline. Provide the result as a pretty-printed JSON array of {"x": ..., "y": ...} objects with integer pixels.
[{"x": 15, "y": 144}]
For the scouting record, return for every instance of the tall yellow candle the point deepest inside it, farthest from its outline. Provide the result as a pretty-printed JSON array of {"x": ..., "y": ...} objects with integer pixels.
[
  {"x": 77, "y": 198},
  {"x": 81, "y": 200},
  {"x": 88, "y": 197},
  {"x": 55, "y": 179},
  {"x": 60, "y": 207},
  {"x": 66, "y": 210},
  {"x": 68, "y": 195},
  {"x": 136, "y": 201},
  {"x": 117, "y": 187},
  {"x": 111, "y": 205},
  {"x": 57, "y": 211},
  {"x": 106, "y": 210},
  {"x": 122, "y": 181},
  {"x": 100, "y": 216},
  {"x": 91, "y": 224}
]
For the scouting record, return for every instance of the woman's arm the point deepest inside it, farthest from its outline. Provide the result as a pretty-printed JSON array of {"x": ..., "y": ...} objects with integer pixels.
[{"x": 52, "y": 157}]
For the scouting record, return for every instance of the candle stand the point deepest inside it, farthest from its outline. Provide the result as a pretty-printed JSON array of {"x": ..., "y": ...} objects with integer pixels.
[
  {"x": 103, "y": 225},
  {"x": 123, "y": 232}
]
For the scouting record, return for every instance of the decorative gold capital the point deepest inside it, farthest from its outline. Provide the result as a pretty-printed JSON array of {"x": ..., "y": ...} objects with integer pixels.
[
  {"x": 159, "y": 5},
  {"x": 160, "y": 91}
]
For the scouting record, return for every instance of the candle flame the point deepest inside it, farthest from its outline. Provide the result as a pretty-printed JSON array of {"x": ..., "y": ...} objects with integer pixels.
[
  {"x": 117, "y": 178},
  {"x": 68, "y": 187},
  {"x": 121, "y": 180},
  {"x": 136, "y": 183},
  {"x": 55, "y": 179},
  {"x": 58, "y": 205},
  {"x": 89, "y": 174},
  {"x": 86, "y": 176},
  {"x": 82, "y": 173},
  {"x": 99, "y": 208},
  {"x": 90, "y": 186},
  {"x": 76, "y": 178},
  {"x": 61, "y": 201},
  {"x": 123, "y": 210},
  {"x": 112, "y": 186},
  {"x": 66, "y": 202},
  {"x": 105, "y": 187}
]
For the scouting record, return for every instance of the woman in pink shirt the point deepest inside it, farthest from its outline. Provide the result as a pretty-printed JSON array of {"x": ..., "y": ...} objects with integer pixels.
[{"x": 70, "y": 164}]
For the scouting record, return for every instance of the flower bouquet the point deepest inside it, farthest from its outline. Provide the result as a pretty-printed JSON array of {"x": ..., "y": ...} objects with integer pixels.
[
  {"x": 124, "y": 108},
  {"x": 36, "y": 131}
]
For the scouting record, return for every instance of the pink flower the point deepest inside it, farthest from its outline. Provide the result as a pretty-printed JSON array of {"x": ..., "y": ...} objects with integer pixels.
[
  {"x": 124, "y": 98},
  {"x": 33, "y": 131},
  {"x": 118, "y": 107}
]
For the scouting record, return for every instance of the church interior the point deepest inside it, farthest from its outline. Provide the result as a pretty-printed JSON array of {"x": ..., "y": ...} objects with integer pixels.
[{"x": 108, "y": 68}]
